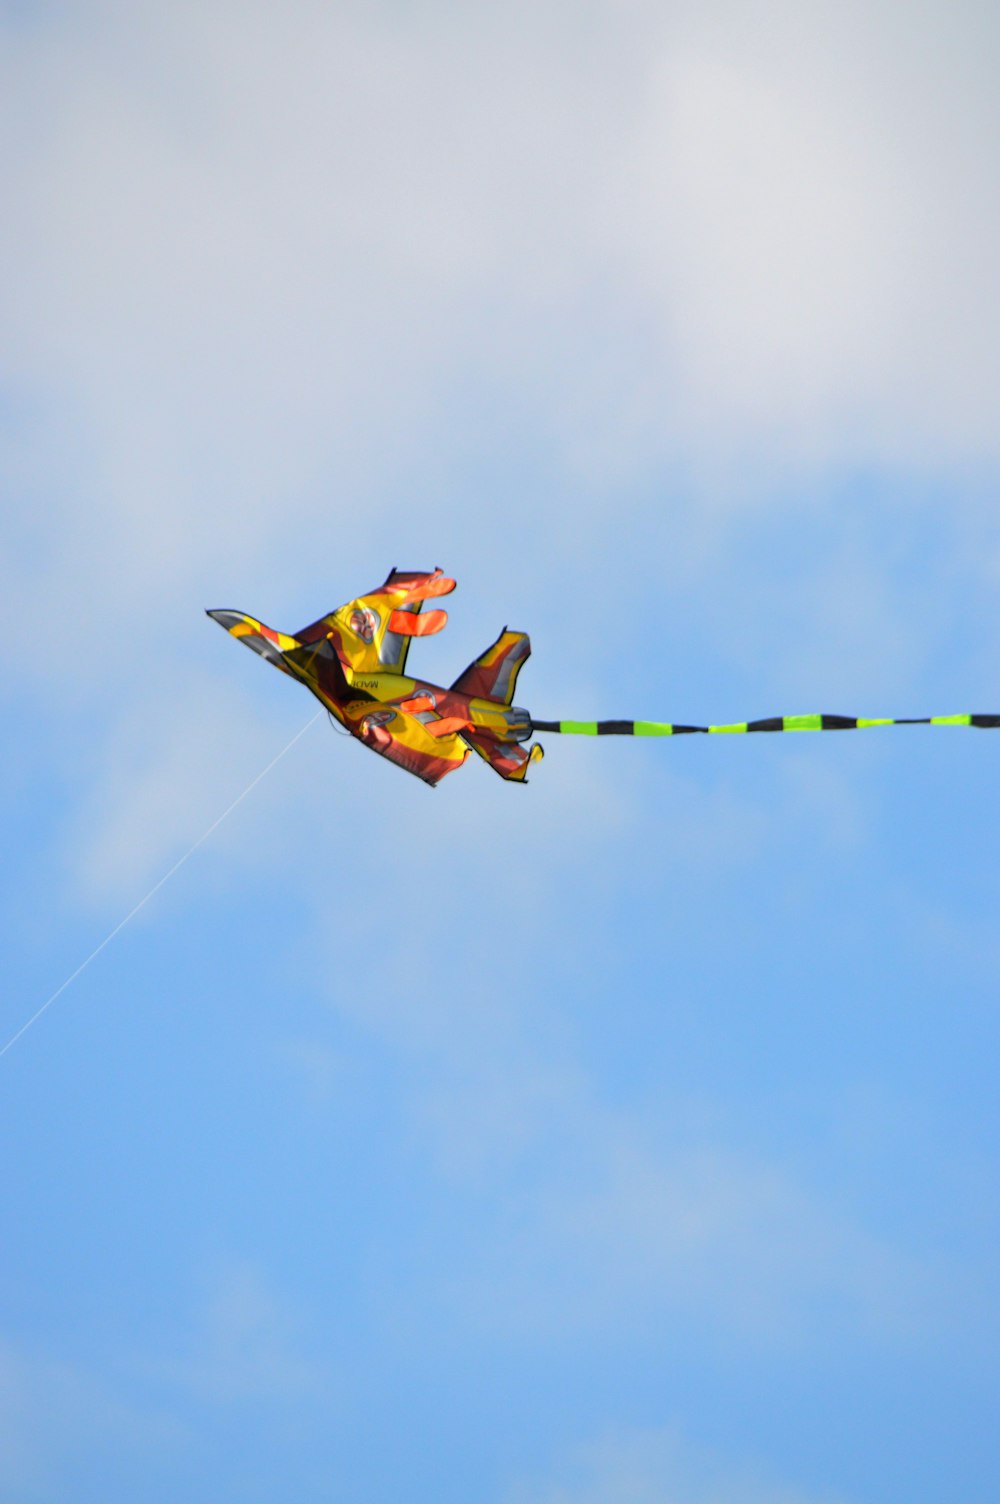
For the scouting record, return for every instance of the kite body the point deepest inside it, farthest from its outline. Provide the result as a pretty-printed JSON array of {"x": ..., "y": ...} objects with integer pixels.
[{"x": 354, "y": 662}]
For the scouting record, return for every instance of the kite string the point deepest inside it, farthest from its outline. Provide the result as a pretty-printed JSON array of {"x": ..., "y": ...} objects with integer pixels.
[{"x": 157, "y": 886}]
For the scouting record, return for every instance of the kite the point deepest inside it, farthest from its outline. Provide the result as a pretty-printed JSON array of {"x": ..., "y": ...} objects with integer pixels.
[{"x": 354, "y": 662}]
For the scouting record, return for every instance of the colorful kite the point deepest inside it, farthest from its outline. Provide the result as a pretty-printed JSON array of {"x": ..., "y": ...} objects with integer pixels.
[{"x": 354, "y": 660}]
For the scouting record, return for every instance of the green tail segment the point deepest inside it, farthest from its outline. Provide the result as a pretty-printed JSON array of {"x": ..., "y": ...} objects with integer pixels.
[{"x": 771, "y": 723}]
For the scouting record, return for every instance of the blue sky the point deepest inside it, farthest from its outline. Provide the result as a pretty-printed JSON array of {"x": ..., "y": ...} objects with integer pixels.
[{"x": 625, "y": 1138}]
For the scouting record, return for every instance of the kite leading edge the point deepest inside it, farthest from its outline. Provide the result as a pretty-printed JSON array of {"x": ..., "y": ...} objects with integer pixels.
[{"x": 353, "y": 661}]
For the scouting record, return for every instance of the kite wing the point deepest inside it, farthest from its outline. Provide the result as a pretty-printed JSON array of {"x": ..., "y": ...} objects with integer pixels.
[
  {"x": 263, "y": 640},
  {"x": 374, "y": 631}
]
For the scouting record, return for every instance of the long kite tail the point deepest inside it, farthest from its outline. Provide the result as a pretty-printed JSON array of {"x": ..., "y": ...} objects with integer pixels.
[{"x": 771, "y": 723}]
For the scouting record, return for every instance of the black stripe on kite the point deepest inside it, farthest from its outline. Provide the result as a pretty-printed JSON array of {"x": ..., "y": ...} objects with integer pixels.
[{"x": 768, "y": 723}]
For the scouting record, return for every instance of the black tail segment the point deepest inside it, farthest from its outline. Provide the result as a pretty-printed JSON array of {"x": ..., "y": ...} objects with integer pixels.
[{"x": 611, "y": 728}]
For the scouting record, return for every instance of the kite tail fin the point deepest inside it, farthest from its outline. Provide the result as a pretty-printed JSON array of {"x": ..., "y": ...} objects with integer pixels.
[
  {"x": 493, "y": 676},
  {"x": 510, "y": 759}
]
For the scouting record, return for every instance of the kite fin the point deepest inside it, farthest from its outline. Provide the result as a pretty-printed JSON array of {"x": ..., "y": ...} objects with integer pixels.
[
  {"x": 510, "y": 759},
  {"x": 409, "y": 624},
  {"x": 493, "y": 676}
]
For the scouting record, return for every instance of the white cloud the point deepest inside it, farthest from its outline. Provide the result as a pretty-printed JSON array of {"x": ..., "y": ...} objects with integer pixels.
[
  {"x": 256, "y": 248},
  {"x": 816, "y": 192}
]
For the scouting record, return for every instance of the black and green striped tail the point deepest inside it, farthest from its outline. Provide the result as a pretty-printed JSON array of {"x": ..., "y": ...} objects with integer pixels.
[{"x": 770, "y": 723}]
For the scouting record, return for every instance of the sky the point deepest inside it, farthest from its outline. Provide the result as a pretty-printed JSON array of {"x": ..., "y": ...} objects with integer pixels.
[{"x": 627, "y": 1138}]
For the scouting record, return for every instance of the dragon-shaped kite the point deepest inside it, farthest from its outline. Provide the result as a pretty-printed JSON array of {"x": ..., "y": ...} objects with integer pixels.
[{"x": 354, "y": 662}]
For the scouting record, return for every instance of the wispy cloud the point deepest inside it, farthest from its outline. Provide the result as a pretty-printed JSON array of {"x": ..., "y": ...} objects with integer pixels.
[
  {"x": 244, "y": 1345},
  {"x": 60, "y": 1419},
  {"x": 633, "y": 1236},
  {"x": 658, "y": 1467},
  {"x": 174, "y": 763}
]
